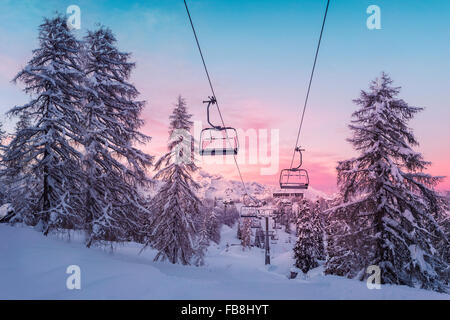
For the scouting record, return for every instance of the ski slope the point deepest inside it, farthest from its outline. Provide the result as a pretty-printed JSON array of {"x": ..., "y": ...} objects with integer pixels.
[{"x": 34, "y": 267}]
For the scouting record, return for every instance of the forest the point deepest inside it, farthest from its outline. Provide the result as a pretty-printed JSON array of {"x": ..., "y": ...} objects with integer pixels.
[{"x": 74, "y": 163}]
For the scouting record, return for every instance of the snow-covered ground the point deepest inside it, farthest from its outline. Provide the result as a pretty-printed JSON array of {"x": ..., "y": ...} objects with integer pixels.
[{"x": 34, "y": 267}]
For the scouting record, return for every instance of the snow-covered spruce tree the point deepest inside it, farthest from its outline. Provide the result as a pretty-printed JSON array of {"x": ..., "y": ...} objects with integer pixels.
[
  {"x": 230, "y": 213},
  {"x": 305, "y": 250},
  {"x": 445, "y": 247},
  {"x": 23, "y": 122},
  {"x": 3, "y": 192},
  {"x": 2, "y": 135},
  {"x": 318, "y": 230},
  {"x": 285, "y": 215},
  {"x": 171, "y": 229},
  {"x": 246, "y": 233},
  {"x": 211, "y": 217},
  {"x": 203, "y": 240},
  {"x": 239, "y": 230},
  {"x": 2, "y": 182},
  {"x": 42, "y": 159},
  {"x": 389, "y": 211},
  {"x": 13, "y": 185},
  {"x": 115, "y": 169}
]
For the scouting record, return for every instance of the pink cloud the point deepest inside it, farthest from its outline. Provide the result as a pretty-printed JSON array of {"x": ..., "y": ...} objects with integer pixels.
[{"x": 9, "y": 67}]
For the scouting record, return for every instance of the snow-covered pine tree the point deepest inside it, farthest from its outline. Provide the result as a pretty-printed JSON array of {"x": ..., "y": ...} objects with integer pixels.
[
  {"x": 246, "y": 233},
  {"x": 2, "y": 182},
  {"x": 230, "y": 213},
  {"x": 23, "y": 122},
  {"x": 239, "y": 230},
  {"x": 318, "y": 230},
  {"x": 305, "y": 250},
  {"x": 203, "y": 240},
  {"x": 13, "y": 185},
  {"x": 115, "y": 169},
  {"x": 42, "y": 160},
  {"x": 444, "y": 221},
  {"x": 175, "y": 207},
  {"x": 209, "y": 218},
  {"x": 2, "y": 136},
  {"x": 389, "y": 211},
  {"x": 213, "y": 223},
  {"x": 284, "y": 207}
]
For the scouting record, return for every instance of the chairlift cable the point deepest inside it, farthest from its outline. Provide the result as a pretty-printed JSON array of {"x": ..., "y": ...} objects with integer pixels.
[
  {"x": 310, "y": 82},
  {"x": 214, "y": 94}
]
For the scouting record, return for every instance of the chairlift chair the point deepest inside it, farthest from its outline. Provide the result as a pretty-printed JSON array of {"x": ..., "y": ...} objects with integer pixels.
[
  {"x": 249, "y": 211},
  {"x": 285, "y": 193},
  {"x": 217, "y": 140},
  {"x": 295, "y": 178}
]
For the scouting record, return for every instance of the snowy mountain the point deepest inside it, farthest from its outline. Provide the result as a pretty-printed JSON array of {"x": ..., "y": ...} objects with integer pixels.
[{"x": 214, "y": 185}]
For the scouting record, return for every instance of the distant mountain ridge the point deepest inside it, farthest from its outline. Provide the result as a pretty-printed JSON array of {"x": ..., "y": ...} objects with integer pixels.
[{"x": 216, "y": 186}]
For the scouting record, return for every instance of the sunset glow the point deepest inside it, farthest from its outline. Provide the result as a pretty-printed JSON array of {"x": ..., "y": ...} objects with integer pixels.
[{"x": 260, "y": 86}]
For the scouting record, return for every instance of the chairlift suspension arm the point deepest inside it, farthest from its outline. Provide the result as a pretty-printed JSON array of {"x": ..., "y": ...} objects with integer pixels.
[
  {"x": 212, "y": 100},
  {"x": 300, "y": 157}
]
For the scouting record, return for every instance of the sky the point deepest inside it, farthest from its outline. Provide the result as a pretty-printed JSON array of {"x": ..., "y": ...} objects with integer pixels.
[{"x": 260, "y": 54}]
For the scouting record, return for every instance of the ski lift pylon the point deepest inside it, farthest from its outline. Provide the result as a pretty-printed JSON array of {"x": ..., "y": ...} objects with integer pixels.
[
  {"x": 217, "y": 140},
  {"x": 295, "y": 178}
]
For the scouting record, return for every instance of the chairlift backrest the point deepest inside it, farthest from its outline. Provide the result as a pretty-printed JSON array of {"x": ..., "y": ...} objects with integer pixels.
[
  {"x": 295, "y": 178},
  {"x": 217, "y": 140}
]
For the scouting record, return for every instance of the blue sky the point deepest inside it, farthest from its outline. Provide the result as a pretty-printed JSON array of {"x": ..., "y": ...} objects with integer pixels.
[{"x": 259, "y": 54}]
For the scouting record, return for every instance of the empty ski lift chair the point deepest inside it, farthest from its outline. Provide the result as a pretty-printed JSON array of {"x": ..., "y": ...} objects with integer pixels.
[
  {"x": 249, "y": 212},
  {"x": 295, "y": 178},
  {"x": 217, "y": 140}
]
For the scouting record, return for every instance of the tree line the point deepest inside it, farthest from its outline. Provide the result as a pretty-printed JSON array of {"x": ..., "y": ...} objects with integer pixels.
[
  {"x": 73, "y": 163},
  {"x": 387, "y": 212}
]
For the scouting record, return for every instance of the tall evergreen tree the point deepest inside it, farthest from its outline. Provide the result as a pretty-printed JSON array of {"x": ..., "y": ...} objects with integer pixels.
[
  {"x": 306, "y": 247},
  {"x": 114, "y": 168},
  {"x": 203, "y": 242},
  {"x": 318, "y": 230},
  {"x": 23, "y": 122},
  {"x": 230, "y": 214},
  {"x": 2, "y": 179},
  {"x": 175, "y": 207},
  {"x": 2, "y": 135},
  {"x": 246, "y": 233},
  {"x": 42, "y": 159},
  {"x": 13, "y": 185},
  {"x": 389, "y": 211},
  {"x": 239, "y": 230},
  {"x": 211, "y": 218}
]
